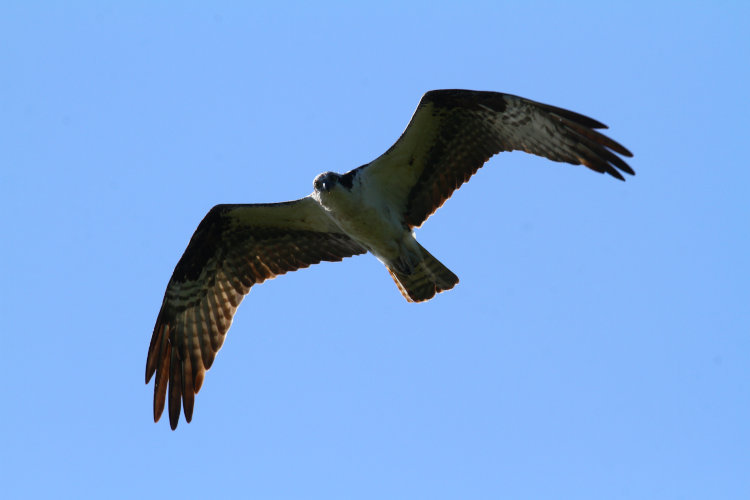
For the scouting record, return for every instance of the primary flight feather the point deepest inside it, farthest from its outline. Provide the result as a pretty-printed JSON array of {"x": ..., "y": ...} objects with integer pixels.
[{"x": 373, "y": 208}]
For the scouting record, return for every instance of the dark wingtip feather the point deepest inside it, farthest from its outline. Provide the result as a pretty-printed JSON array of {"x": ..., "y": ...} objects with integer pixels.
[
  {"x": 617, "y": 175},
  {"x": 175, "y": 390},
  {"x": 154, "y": 349},
  {"x": 159, "y": 396},
  {"x": 618, "y": 148},
  {"x": 188, "y": 394},
  {"x": 600, "y": 150},
  {"x": 620, "y": 163},
  {"x": 161, "y": 381},
  {"x": 578, "y": 118},
  {"x": 623, "y": 150}
]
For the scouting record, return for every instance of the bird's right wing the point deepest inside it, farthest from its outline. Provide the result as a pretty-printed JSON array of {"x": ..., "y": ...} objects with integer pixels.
[{"x": 234, "y": 247}]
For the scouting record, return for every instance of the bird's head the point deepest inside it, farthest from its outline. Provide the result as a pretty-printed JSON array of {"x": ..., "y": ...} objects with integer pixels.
[{"x": 324, "y": 183}]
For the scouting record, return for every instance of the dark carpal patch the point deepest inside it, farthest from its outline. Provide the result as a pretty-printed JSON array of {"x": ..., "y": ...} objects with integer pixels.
[
  {"x": 203, "y": 244},
  {"x": 462, "y": 145},
  {"x": 347, "y": 179},
  {"x": 466, "y": 99}
]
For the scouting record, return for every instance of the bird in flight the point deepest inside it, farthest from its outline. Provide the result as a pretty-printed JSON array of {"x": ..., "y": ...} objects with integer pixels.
[{"x": 373, "y": 208}]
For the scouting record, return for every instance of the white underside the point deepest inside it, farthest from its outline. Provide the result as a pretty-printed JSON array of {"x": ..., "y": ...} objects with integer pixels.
[{"x": 367, "y": 217}]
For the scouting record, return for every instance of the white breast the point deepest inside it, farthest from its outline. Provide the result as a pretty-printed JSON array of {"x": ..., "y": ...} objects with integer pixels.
[{"x": 366, "y": 216}]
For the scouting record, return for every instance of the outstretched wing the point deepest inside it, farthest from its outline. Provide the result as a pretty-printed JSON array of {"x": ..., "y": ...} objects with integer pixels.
[
  {"x": 234, "y": 247},
  {"x": 454, "y": 132}
]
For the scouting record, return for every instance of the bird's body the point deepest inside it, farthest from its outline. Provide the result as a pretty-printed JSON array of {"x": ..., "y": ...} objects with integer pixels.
[
  {"x": 373, "y": 208},
  {"x": 364, "y": 215}
]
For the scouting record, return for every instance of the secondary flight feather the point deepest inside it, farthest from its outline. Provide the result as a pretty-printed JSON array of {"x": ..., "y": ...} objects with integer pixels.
[{"x": 373, "y": 208}]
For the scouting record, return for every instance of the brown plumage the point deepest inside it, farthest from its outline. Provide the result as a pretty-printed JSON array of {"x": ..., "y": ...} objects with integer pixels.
[
  {"x": 454, "y": 132},
  {"x": 450, "y": 136},
  {"x": 232, "y": 249}
]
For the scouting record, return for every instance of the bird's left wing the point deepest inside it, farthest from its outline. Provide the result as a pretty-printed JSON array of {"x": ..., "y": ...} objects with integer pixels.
[
  {"x": 454, "y": 132},
  {"x": 234, "y": 247}
]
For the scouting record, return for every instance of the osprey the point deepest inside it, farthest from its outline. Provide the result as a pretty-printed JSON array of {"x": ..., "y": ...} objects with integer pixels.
[{"x": 373, "y": 208}]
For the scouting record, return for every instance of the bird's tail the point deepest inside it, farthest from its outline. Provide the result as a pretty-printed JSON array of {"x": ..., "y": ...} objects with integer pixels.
[{"x": 421, "y": 281}]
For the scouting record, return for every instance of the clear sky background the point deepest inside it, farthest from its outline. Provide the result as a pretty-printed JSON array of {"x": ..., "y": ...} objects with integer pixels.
[{"x": 597, "y": 346}]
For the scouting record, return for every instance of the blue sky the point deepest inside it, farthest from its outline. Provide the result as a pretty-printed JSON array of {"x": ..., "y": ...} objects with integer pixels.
[{"x": 596, "y": 347}]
